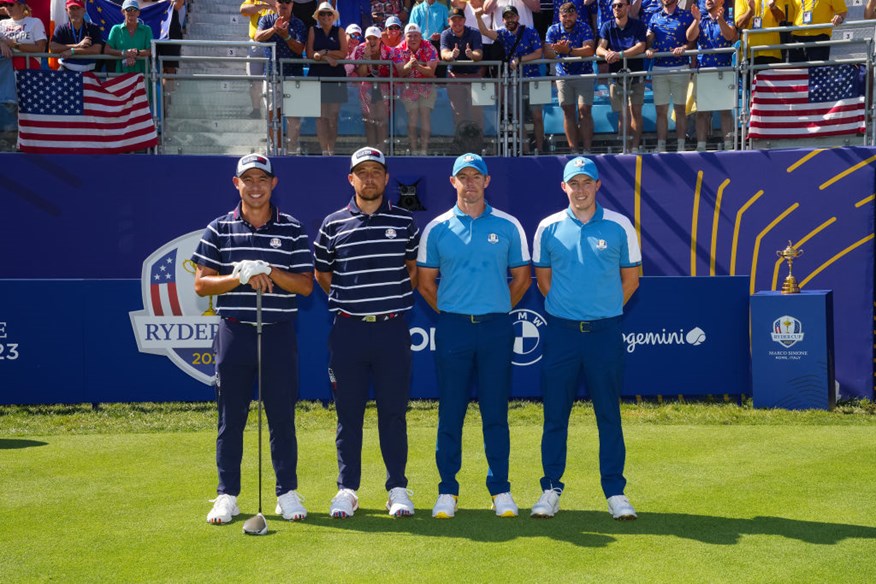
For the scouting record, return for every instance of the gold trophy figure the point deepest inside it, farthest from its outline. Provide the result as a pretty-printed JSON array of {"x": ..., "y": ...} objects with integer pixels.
[
  {"x": 191, "y": 267},
  {"x": 789, "y": 254}
]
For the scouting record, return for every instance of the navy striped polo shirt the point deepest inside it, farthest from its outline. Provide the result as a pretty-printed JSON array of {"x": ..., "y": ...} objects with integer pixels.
[
  {"x": 281, "y": 242},
  {"x": 366, "y": 255}
]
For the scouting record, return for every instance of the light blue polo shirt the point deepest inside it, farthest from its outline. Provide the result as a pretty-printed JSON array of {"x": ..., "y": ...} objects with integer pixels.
[
  {"x": 585, "y": 261},
  {"x": 473, "y": 257}
]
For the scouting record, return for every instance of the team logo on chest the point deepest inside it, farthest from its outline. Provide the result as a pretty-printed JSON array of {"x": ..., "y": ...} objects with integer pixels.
[
  {"x": 493, "y": 238},
  {"x": 601, "y": 245},
  {"x": 391, "y": 234},
  {"x": 275, "y": 242}
]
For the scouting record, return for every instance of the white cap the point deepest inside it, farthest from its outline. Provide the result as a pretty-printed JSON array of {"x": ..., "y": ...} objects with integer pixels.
[
  {"x": 412, "y": 27},
  {"x": 365, "y": 154},
  {"x": 354, "y": 28},
  {"x": 259, "y": 161},
  {"x": 372, "y": 31}
]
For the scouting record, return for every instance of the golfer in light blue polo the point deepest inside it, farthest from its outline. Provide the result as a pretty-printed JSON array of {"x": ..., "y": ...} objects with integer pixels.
[
  {"x": 474, "y": 248},
  {"x": 587, "y": 262}
]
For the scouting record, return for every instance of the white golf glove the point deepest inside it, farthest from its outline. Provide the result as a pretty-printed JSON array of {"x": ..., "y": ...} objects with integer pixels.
[
  {"x": 235, "y": 273},
  {"x": 250, "y": 268}
]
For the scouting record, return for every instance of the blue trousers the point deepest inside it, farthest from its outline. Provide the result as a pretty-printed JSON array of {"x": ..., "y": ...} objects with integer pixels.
[
  {"x": 598, "y": 350},
  {"x": 361, "y": 353},
  {"x": 463, "y": 347},
  {"x": 237, "y": 369}
]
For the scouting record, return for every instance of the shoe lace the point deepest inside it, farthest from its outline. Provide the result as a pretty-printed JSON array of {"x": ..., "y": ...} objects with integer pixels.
[
  {"x": 223, "y": 503},
  {"x": 290, "y": 498},
  {"x": 400, "y": 493},
  {"x": 345, "y": 495}
]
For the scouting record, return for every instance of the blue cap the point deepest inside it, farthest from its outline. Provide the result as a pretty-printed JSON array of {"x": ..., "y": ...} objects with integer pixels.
[
  {"x": 470, "y": 160},
  {"x": 580, "y": 165},
  {"x": 393, "y": 21},
  {"x": 130, "y": 4}
]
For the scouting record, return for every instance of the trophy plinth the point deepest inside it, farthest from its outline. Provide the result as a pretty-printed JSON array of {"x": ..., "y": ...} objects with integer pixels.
[{"x": 789, "y": 254}]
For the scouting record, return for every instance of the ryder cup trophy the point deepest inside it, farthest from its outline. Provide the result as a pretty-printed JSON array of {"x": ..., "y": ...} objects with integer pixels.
[
  {"x": 191, "y": 267},
  {"x": 789, "y": 254}
]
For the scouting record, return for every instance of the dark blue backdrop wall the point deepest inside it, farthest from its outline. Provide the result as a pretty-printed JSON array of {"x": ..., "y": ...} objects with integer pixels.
[{"x": 101, "y": 219}]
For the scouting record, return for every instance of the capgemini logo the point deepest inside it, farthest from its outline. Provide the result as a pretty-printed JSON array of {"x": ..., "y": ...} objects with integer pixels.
[{"x": 695, "y": 337}]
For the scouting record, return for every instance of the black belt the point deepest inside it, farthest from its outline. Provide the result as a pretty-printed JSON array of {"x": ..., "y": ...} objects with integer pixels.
[
  {"x": 583, "y": 326},
  {"x": 478, "y": 318},
  {"x": 370, "y": 317}
]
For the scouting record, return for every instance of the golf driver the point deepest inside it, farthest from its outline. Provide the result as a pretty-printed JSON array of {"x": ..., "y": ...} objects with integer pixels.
[{"x": 257, "y": 525}]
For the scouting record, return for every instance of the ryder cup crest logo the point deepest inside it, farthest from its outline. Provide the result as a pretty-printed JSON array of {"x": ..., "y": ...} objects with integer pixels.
[
  {"x": 391, "y": 234},
  {"x": 176, "y": 322},
  {"x": 493, "y": 238},
  {"x": 275, "y": 242},
  {"x": 787, "y": 331},
  {"x": 601, "y": 245},
  {"x": 528, "y": 325}
]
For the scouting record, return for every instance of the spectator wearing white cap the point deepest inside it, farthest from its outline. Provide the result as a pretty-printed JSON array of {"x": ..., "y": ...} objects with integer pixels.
[
  {"x": 374, "y": 97},
  {"x": 417, "y": 59},
  {"x": 354, "y": 39},
  {"x": 326, "y": 43}
]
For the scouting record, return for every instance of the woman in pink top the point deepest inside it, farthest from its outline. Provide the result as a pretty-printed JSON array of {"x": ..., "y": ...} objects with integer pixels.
[{"x": 417, "y": 60}]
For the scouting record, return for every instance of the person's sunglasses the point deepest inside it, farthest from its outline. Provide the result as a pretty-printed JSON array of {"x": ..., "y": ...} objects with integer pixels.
[
  {"x": 393, "y": 27},
  {"x": 326, "y": 14},
  {"x": 132, "y": 10},
  {"x": 284, "y": 1},
  {"x": 616, "y": 6}
]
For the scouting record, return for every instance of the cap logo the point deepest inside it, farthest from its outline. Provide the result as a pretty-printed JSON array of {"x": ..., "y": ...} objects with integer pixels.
[
  {"x": 580, "y": 162},
  {"x": 469, "y": 158},
  {"x": 367, "y": 153}
]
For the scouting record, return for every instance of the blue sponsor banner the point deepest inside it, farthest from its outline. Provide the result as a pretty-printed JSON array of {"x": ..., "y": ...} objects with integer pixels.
[
  {"x": 111, "y": 349},
  {"x": 792, "y": 350},
  {"x": 698, "y": 215}
]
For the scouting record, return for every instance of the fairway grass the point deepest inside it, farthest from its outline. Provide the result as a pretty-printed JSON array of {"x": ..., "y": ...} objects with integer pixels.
[{"x": 724, "y": 494}]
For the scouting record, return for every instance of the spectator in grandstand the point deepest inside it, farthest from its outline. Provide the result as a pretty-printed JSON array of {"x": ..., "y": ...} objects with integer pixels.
[
  {"x": 572, "y": 38},
  {"x": 667, "y": 33},
  {"x": 304, "y": 11},
  {"x": 712, "y": 31},
  {"x": 375, "y": 98},
  {"x": 521, "y": 45},
  {"x": 492, "y": 51},
  {"x": 622, "y": 38},
  {"x": 254, "y": 10},
  {"x": 354, "y": 39},
  {"x": 760, "y": 16},
  {"x": 581, "y": 6},
  {"x": 392, "y": 34},
  {"x": 417, "y": 60},
  {"x": 431, "y": 16},
  {"x": 815, "y": 12},
  {"x": 288, "y": 35},
  {"x": 525, "y": 9},
  {"x": 461, "y": 46},
  {"x": 174, "y": 33},
  {"x": 383, "y": 9},
  {"x": 23, "y": 33},
  {"x": 131, "y": 40},
  {"x": 76, "y": 37},
  {"x": 326, "y": 43}
]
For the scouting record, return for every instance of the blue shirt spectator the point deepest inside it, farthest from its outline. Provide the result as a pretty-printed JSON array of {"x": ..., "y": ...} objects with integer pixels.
[
  {"x": 670, "y": 32},
  {"x": 622, "y": 39},
  {"x": 297, "y": 31},
  {"x": 470, "y": 37},
  {"x": 529, "y": 43},
  {"x": 582, "y": 9},
  {"x": 430, "y": 16},
  {"x": 711, "y": 37},
  {"x": 577, "y": 36}
]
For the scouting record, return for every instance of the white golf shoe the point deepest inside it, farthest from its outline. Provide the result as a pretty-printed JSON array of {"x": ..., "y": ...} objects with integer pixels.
[
  {"x": 344, "y": 504},
  {"x": 504, "y": 505},
  {"x": 224, "y": 508},
  {"x": 290, "y": 507},
  {"x": 547, "y": 505},
  {"x": 445, "y": 507},
  {"x": 399, "y": 503},
  {"x": 620, "y": 508}
]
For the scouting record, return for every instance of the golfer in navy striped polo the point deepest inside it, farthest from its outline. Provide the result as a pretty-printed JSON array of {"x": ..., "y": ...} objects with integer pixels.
[
  {"x": 255, "y": 248},
  {"x": 366, "y": 262}
]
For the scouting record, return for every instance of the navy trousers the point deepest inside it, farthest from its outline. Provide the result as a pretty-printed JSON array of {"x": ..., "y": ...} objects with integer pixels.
[
  {"x": 597, "y": 348},
  {"x": 465, "y": 345},
  {"x": 361, "y": 353},
  {"x": 237, "y": 370}
]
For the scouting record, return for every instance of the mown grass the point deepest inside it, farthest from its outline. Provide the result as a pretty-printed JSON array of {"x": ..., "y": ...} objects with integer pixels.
[{"x": 725, "y": 494}]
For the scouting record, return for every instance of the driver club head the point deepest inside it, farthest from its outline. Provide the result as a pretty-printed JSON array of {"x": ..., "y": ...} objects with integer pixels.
[{"x": 255, "y": 525}]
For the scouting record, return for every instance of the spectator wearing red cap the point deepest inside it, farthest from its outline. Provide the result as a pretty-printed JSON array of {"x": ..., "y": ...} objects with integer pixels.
[
  {"x": 23, "y": 33},
  {"x": 76, "y": 38}
]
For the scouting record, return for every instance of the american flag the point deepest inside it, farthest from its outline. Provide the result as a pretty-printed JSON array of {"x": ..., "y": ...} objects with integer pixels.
[
  {"x": 803, "y": 103},
  {"x": 69, "y": 112},
  {"x": 162, "y": 286}
]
